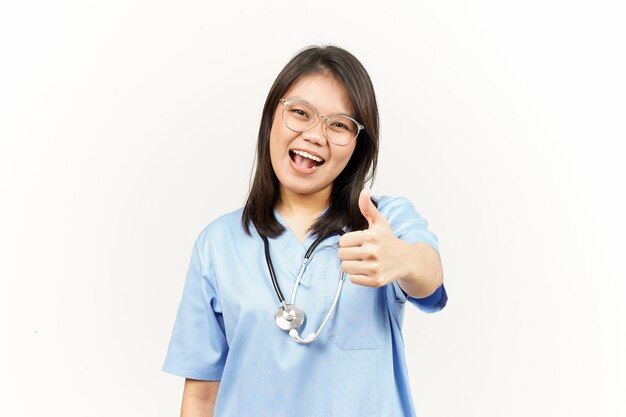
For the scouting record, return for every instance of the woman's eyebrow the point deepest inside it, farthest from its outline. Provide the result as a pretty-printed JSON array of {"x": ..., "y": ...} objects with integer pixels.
[{"x": 302, "y": 100}]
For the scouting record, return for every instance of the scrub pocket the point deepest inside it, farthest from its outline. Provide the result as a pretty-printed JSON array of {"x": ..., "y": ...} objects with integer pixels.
[{"x": 360, "y": 321}]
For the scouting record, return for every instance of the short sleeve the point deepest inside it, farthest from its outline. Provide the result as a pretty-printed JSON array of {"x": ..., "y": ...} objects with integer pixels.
[
  {"x": 411, "y": 227},
  {"x": 198, "y": 346}
]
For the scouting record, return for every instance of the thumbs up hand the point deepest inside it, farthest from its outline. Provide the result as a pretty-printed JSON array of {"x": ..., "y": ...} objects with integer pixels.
[{"x": 373, "y": 257}]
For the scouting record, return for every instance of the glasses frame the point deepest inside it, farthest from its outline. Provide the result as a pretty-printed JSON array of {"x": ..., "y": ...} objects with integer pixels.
[{"x": 287, "y": 101}]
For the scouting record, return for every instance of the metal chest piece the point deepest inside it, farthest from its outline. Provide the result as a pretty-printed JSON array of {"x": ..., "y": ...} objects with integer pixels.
[{"x": 290, "y": 318}]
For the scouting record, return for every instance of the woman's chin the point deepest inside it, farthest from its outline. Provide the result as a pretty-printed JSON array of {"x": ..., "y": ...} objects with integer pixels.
[{"x": 304, "y": 189}]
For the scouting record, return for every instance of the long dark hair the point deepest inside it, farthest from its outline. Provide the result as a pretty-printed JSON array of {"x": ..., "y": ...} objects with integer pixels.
[{"x": 343, "y": 209}]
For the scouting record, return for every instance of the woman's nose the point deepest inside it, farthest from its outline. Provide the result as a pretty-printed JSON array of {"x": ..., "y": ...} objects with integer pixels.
[{"x": 316, "y": 133}]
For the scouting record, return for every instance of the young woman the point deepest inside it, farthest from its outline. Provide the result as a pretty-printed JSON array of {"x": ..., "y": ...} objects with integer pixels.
[{"x": 259, "y": 334}]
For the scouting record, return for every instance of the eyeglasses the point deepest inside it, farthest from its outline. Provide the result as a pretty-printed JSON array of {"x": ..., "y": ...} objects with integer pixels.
[{"x": 300, "y": 116}]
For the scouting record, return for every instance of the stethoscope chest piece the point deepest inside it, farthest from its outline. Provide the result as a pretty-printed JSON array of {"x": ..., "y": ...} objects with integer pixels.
[{"x": 290, "y": 318}]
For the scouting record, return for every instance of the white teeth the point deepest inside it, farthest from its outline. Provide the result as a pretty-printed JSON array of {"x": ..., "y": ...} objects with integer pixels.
[{"x": 308, "y": 155}]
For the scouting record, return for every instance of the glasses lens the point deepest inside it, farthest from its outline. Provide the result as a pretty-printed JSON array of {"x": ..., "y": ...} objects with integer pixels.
[
  {"x": 341, "y": 130},
  {"x": 298, "y": 116}
]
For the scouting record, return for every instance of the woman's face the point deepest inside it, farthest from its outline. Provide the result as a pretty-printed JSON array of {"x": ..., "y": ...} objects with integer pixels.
[{"x": 296, "y": 172}]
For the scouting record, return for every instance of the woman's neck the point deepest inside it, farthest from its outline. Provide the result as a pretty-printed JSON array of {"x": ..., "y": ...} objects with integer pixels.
[{"x": 292, "y": 204}]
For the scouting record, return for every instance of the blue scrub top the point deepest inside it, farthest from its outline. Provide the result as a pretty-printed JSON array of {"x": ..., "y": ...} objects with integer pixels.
[{"x": 225, "y": 329}]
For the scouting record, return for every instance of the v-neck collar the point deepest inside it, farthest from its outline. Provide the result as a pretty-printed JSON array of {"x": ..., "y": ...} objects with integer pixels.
[
  {"x": 291, "y": 251},
  {"x": 290, "y": 235}
]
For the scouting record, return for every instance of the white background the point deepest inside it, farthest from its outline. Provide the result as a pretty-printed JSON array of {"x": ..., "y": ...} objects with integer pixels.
[{"x": 127, "y": 126}]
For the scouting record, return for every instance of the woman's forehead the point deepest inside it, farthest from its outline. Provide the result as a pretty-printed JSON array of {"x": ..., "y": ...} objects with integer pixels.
[{"x": 322, "y": 91}]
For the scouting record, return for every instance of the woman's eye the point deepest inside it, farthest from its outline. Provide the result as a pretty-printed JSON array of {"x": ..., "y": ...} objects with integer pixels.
[
  {"x": 300, "y": 113},
  {"x": 341, "y": 126}
]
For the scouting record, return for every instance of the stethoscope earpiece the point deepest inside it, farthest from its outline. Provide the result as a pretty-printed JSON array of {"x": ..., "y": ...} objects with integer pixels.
[{"x": 296, "y": 337}]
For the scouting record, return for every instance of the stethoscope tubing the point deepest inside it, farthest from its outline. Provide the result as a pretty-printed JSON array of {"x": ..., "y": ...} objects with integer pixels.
[
  {"x": 270, "y": 267},
  {"x": 292, "y": 307},
  {"x": 310, "y": 338}
]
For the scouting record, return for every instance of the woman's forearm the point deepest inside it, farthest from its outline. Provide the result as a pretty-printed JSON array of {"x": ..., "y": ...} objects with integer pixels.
[
  {"x": 424, "y": 274},
  {"x": 197, "y": 407},
  {"x": 199, "y": 398}
]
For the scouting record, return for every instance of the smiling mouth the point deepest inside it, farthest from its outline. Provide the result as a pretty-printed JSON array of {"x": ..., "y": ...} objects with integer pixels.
[{"x": 305, "y": 160}]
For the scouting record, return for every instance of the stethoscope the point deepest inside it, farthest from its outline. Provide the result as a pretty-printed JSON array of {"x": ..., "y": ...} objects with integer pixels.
[{"x": 290, "y": 317}]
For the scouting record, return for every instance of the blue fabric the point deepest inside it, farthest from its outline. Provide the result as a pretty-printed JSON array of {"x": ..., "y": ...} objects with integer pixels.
[{"x": 225, "y": 329}]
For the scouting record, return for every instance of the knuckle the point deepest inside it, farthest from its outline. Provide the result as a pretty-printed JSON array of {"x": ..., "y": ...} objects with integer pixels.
[
  {"x": 366, "y": 251},
  {"x": 370, "y": 236}
]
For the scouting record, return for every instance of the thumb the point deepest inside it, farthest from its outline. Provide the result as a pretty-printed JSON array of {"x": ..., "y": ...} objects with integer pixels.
[{"x": 368, "y": 209}]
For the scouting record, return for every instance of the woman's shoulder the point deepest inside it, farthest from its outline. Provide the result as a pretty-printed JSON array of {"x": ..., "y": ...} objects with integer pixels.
[
  {"x": 406, "y": 222},
  {"x": 390, "y": 205},
  {"x": 225, "y": 226}
]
